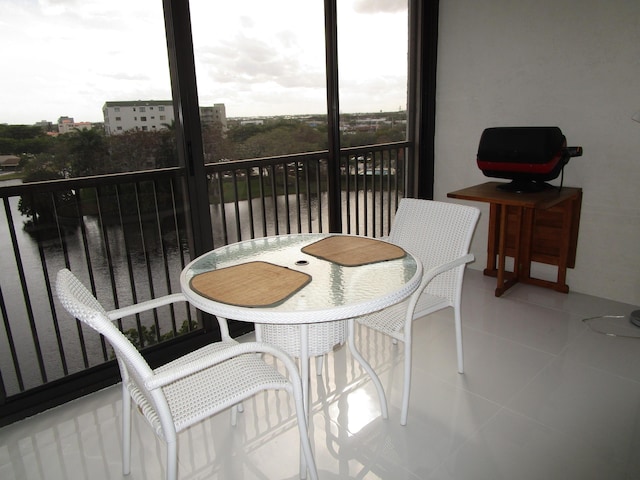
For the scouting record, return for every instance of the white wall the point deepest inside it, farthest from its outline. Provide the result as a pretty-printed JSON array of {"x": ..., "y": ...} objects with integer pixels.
[{"x": 568, "y": 63}]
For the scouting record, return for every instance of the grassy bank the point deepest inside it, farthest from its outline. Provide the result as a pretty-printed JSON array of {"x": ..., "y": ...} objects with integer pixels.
[{"x": 10, "y": 176}]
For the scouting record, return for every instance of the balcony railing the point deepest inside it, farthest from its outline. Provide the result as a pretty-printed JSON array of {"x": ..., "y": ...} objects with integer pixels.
[
  {"x": 289, "y": 193},
  {"x": 126, "y": 237}
]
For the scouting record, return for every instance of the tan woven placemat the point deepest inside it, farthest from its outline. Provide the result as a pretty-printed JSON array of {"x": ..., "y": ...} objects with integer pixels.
[
  {"x": 352, "y": 251},
  {"x": 251, "y": 284}
]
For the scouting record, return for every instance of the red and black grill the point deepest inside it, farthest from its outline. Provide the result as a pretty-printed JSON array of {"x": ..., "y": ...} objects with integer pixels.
[{"x": 528, "y": 156}]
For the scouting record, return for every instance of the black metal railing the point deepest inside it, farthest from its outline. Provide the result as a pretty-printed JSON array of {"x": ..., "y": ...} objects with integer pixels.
[
  {"x": 123, "y": 235},
  {"x": 289, "y": 193},
  {"x": 126, "y": 237}
]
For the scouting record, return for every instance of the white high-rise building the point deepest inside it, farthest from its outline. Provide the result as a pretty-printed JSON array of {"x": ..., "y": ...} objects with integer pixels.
[
  {"x": 144, "y": 115},
  {"x": 152, "y": 115}
]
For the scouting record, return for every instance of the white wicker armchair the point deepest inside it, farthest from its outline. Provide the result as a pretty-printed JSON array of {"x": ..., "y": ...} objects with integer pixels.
[
  {"x": 191, "y": 388},
  {"x": 439, "y": 234}
]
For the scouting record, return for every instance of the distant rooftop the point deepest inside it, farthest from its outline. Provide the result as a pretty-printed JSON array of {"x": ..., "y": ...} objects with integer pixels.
[
  {"x": 141, "y": 103},
  {"x": 9, "y": 161}
]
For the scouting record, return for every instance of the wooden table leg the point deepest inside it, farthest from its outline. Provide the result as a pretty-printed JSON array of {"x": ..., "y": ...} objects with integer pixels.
[
  {"x": 506, "y": 280},
  {"x": 502, "y": 245},
  {"x": 567, "y": 217},
  {"x": 494, "y": 215}
]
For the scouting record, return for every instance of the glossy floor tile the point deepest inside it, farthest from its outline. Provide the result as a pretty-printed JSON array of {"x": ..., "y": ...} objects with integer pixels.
[{"x": 544, "y": 396}]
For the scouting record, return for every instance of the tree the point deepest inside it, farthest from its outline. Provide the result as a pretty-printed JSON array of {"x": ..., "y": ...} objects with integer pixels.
[
  {"x": 20, "y": 132},
  {"x": 89, "y": 152},
  {"x": 139, "y": 150},
  {"x": 46, "y": 210},
  {"x": 215, "y": 143},
  {"x": 281, "y": 138},
  {"x": 170, "y": 126},
  {"x": 166, "y": 150},
  {"x": 21, "y": 139}
]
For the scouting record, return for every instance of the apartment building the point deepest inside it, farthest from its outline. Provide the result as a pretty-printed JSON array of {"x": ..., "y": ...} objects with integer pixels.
[
  {"x": 144, "y": 115},
  {"x": 152, "y": 115},
  {"x": 68, "y": 124},
  {"x": 215, "y": 114}
]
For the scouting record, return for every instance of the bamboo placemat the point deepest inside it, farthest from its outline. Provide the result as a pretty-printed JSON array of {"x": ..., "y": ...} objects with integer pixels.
[
  {"x": 352, "y": 251},
  {"x": 251, "y": 284}
]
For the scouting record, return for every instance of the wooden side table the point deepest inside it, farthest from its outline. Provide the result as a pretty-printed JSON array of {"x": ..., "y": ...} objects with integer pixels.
[{"x": 528, "y": 227}]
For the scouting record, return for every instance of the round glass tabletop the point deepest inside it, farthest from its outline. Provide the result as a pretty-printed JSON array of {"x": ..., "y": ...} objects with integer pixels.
[{"x": 333, "y": 291}]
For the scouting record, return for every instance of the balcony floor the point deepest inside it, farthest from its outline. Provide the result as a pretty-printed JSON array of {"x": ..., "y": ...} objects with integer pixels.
[{"x": 543, "y": 397}]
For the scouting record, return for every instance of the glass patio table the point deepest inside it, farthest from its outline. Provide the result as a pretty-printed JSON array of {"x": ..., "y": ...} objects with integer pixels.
[{"x": 272, "y": 281}]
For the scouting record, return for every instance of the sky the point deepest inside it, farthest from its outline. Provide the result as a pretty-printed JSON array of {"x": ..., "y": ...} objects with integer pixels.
[{"x": 259, "y": 58}]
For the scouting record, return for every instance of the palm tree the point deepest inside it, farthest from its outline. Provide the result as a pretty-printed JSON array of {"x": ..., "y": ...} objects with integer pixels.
[{"x": 170, "y": 126}]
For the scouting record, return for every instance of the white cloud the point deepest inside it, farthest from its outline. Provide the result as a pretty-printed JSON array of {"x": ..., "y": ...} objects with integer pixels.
[
  {"x": 67, "y": 57},
  {"x": 377, "y": 6}
]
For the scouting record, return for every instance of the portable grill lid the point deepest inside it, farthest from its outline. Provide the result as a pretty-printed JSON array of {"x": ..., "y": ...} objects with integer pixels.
[{"x": 526, "y": 150}]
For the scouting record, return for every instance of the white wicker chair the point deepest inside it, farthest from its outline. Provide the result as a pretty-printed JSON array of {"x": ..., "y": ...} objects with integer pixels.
[
  {"x": 187, "y": 390},
  {"x": 439, "y": 234}
]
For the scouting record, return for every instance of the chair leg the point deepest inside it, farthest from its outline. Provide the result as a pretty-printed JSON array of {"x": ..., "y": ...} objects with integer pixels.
[
  {"x": 367, "y": 368},
  {"x": 319, "y": 362},
  {"x": 234, "y": 415},
  {"x": 172, "y": 460},
  {"x": 459, "y": 350},
  {"x": 406, "y": 389},
  {"x": 305, "y": 443},
  {"x": 126, "y": 431}
]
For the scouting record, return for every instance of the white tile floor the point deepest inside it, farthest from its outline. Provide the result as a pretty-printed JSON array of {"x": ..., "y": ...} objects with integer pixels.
[{"x": 543, "y": 397}]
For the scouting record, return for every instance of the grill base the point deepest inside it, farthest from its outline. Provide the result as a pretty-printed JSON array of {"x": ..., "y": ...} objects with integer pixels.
[{"x": 525, "y": 186}]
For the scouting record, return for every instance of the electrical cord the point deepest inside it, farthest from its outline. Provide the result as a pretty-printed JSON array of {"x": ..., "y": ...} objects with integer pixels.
[{"x": 627, "y": 329}]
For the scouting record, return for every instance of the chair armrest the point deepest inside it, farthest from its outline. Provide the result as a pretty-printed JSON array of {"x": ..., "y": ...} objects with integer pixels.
[
  {"x": 430, "y": 275},
  {"x": 434, "y": 272},
  {"x": 144, "y": 306},
  {"x": 169, "y": 376}
]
